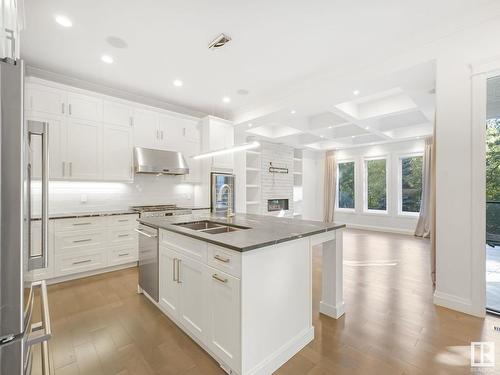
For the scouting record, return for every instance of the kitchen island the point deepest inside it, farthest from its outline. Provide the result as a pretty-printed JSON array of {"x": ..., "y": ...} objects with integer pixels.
[{"x": 241, "y": 287}]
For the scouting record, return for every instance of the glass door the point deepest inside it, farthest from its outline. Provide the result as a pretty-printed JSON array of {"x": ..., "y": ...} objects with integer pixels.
[{"x": 493, "y": 196}]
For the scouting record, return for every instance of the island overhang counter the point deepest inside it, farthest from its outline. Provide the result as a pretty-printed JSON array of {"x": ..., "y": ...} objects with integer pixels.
[{"x": 241, "y": 287}]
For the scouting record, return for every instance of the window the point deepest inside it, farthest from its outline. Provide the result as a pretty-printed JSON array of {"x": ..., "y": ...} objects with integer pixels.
[
  {"x": 410, "y": 184},
  {"x": 345, "y": 185},
  {"x": 376, "y": 184}
]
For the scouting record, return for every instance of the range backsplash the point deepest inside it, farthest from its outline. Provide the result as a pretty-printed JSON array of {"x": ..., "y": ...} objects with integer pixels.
[{"x": 71, "y": 196}]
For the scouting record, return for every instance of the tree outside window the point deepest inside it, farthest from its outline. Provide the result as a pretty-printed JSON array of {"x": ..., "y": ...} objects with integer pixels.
[
  {"x": 346, "y": 195},
  {"x": 411, "y": 183},
  {"x": 376, "y": 184}
]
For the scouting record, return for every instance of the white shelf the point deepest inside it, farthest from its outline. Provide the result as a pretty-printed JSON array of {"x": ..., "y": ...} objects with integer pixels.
[
  {"x": 297, "y": 159},
  {"x": 298, "y": 173},
  {"x": 253, "y": 152},
  {"x": 253, "y": 186},
  {"x": 253, "y": 169},
  {"x": 252, "y": 202}
]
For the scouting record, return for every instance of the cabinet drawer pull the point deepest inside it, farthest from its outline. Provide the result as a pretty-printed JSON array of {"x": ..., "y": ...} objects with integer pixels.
[
  {"x": 222, "y": 259},
  {"x": 123, "y": 254},
  {"x": 174, "y": 269},
  {"x": 82, "y": 224},
  {"x": 218, "y": 278},
  {"x": 85, "y": 240},
  {"x": 123, "y": 235},
  {"x": 82, "y": 261},
  {"x": 179, "y": 271},
  {"x": 123, "y": 220}
]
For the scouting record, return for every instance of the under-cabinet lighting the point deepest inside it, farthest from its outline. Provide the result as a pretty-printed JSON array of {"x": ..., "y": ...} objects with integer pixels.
[{"x": 245, "y": 146}]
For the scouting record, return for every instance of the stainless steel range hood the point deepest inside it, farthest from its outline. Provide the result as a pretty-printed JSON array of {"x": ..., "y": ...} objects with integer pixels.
[{"x": 152, "y": 161}]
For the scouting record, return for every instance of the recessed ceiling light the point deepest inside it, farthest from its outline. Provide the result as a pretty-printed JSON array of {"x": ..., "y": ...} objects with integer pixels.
[
  {"x": 322, "y": 136},
  {"x": 293, "y": 111},
  {"x": 250, "y": 125},
  {"x": 107, "y": 59},
  {"x": 63, "y": 20},
  {"x": 356, "y": 92},
  {"x": 353, "y": 136},
  {"x": 226, "y": 99},
  {"x": 367, "y": 128},
  {"x": 330, "y": 127},
  {"x": 178, "y": 83}
]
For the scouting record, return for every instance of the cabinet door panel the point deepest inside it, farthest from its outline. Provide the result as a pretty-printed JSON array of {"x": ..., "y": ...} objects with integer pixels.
[
  {"x": 84, "y": 107},
  {"x": 83, "y": 149},
  {"x": 224, "y": 316},
  {"x": 57, "y": 135},
  {"x": 171, "y": 133},
  {"x": 169, "y": 289},
  {"x": 221, "y": 136},
  {"x": 117, "y": 153},
  {"x": 192, "y": 306},
  {"x": 146, "y": 129},
  {"x": 117, "y": 113},
  {"x": 45, "y": 99}
]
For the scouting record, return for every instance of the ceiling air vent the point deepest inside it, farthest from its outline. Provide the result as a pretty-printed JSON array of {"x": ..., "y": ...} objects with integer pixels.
[{"x": 219, "y": 42}]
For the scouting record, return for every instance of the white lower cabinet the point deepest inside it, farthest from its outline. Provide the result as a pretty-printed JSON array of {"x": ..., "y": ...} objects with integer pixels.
[
  {"x": 224, "y": 316},
  {"x": 204, "y": 301},
  {"x": 169, "y": 290},
  {"x": 85, "y": 244}
]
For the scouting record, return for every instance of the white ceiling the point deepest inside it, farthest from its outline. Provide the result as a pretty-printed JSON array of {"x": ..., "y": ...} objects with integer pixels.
[{"x": 275, "y": 45}]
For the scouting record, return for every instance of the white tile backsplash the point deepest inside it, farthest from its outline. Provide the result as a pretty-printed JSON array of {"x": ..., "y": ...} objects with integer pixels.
[{"x": 75, "y": 196}]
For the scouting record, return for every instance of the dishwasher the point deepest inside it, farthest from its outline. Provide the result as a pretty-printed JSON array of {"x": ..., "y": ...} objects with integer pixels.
[{"x": 148, "y": 261}]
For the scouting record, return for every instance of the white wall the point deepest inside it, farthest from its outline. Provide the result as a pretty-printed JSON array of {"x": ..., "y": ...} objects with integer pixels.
[
  {"x": 66, "y": 196},
  {"x": 391, "y": 221},
  {"x": 313, "y": 171}
]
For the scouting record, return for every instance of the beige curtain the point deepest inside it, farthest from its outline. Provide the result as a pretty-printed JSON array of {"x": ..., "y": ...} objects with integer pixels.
[
  {"x": 426, "y": 225},
  {"x": 330, "y": 186}
]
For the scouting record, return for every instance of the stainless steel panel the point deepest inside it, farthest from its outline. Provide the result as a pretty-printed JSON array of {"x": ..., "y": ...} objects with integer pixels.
[
  {"x": 159, "y": 161},
  {"x": 148, "y": 260}
]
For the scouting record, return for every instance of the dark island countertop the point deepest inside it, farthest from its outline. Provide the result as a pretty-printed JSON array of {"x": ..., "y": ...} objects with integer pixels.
[{"x": 263, "y": 230}]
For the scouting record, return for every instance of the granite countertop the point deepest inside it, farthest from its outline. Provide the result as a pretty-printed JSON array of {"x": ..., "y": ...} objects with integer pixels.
[
  {"x": 264, "y": 230},
  {"x": 73, "y": 215}
]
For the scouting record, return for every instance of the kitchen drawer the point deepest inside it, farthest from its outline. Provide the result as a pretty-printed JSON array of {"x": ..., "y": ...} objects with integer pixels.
[
  {"x": 122, "y": 254},
  {"x": 123, "y": 220},
  {"x": 186, "y": 245},
  {"x": 79, "y": 223},
  {"x": 224, "y": 260},
  {"x": 121, "y": 236},
  {"x": 80, "y": 240},
  {"x": 82, "y": 261}
]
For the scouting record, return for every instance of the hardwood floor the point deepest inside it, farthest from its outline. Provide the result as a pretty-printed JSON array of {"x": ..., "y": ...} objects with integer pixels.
[{"x": 101, "y": 326}]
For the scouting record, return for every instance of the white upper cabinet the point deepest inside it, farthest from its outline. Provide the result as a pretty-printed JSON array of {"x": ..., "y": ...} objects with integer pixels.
[
  {"x": 218, "y": 134},
  {"x": 117, "y": 113},
  {"x": 83, "y": 149},
  {"x": 84, "y": 107},
  {"x": 117, "y": 152},
  {"x": 147, "y": 129},
  {"x": 57, "y": 146},
  {"x": 92, "y": 136},
  {"x": 46, "y": 100}
]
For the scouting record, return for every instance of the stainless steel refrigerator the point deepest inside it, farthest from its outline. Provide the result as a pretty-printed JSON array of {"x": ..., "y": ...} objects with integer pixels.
[
  {"x": 220, "y": 202},
  {"x": 18, "y": 333}
]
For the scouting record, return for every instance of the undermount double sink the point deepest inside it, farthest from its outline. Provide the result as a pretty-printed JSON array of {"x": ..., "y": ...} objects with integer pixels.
[{"x": 211, "y": 227}]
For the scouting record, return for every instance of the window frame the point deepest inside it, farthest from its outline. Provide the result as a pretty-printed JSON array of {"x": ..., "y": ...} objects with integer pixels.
[
  {"x": 400, "y": 183},
  {"x": 366, "y": 210},
  {"x": 337, "y": 187}
]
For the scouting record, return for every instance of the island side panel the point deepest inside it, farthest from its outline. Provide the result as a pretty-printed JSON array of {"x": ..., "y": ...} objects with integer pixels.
[
  {"x": 276, "y": 297},
  {"x": 332, "y": 296}
]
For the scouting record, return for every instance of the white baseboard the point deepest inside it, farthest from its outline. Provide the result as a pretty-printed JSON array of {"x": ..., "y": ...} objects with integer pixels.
[
  {"x": 457, "y": 303},
  {"x": 409, "y": 232},
  {"x": 80, "y": 275},
  {"x": 283, "y": 354},
  {"x": 334, "y": 312}
]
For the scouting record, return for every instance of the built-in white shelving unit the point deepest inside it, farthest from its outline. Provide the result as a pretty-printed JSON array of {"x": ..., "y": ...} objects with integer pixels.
[
  {"x": 253, "y": 181},
  {"x": 297, "y": 183}
]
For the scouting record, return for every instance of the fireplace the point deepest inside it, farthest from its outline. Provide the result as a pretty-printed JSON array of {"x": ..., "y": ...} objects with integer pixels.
[{"x": 277, "y": 204}]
